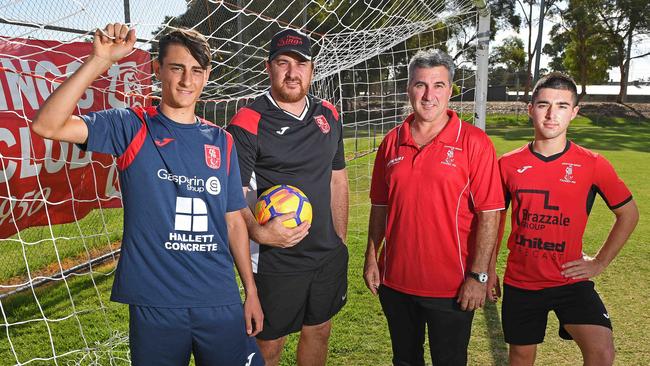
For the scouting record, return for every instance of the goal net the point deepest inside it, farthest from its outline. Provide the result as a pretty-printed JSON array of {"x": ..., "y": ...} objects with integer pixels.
[{"x": 60, "y": 221}]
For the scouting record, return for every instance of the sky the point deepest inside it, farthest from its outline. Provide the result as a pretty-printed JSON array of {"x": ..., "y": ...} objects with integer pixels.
[{"x": 639, "y": 68}]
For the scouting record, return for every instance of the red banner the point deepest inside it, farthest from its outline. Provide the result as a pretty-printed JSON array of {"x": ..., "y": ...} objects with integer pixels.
[{"x": 49, "y": 182}]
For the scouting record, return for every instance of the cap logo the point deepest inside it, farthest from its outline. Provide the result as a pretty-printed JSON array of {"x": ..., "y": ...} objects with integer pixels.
[{"x": 289, "y": 41}]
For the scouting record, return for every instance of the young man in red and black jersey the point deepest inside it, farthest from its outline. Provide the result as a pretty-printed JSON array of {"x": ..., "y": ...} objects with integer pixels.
[
  {"x": 552, "y": 184},
  {"x": 287, "y": 136}
]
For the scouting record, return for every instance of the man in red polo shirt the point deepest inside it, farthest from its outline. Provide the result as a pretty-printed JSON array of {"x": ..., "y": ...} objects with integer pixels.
[
  {"x": 435, "y": 195},
  {"x": 552, "y": 184}
]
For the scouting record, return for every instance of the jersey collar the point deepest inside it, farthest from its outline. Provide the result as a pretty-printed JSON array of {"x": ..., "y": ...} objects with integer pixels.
[
  {"x": 547, "y": 159},
  {"x": 300, "y": 117},
  {"x": 450, "y": 134}
]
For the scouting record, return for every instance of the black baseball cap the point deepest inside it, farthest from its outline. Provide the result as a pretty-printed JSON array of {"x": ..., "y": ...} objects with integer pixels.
[{"x": 290, "y": 40}]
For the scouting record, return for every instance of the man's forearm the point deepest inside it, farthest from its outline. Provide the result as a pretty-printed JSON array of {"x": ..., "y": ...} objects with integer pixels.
[
  {"x": 376, "y": 229},
  {"x": 340, "y": 202},
  {"x": 239, "y": 247},
  {"x": 486, "y": 236}
]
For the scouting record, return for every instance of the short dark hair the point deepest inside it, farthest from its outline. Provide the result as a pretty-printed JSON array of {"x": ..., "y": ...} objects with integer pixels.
[
  {"x": 426, "y": 59},
  {"x": 556, "y": 80},
  {"x": 194, "y": 41}
]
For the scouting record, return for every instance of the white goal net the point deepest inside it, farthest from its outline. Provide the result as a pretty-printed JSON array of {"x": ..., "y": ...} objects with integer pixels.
[{"x": 60, "y": 221}]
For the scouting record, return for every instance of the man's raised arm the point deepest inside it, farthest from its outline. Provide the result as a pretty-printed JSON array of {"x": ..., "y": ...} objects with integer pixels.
[{"x": 55, "y": 119}]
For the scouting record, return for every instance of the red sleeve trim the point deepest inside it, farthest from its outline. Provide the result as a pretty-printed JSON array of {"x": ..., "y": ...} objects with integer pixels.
[
  {"x": 331, "y": 107},
  {"x": 247, "y": 119},
  {"x": 134, "y": 147},
  {"x": 229, "y": 143}
]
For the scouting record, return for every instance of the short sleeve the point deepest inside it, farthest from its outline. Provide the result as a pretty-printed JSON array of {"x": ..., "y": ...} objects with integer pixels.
[
  {"x": 378, "y": 184},
  {"x": 610, "y": 186},
  {"x": 235, "y": 193},
  {"x": 111, "y": 131},
  {"x": 339, "y": 158},
  {"x": 243, "y": 129},
  {"x": 485, "y": 180}
]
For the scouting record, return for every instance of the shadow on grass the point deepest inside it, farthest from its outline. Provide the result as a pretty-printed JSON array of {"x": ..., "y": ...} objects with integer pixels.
[
  {"x": 498, "y": 347},
  {"x": 612, "y": 114}
]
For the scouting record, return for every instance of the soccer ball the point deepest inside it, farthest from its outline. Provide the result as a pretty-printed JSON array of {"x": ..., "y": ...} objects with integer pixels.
[{"x": 282, "y": 199}]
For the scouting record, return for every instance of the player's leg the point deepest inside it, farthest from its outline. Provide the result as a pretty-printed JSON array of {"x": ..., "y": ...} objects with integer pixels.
[
  {"x": 524, "y": 315},
  {"x": 584, "y": 318},
  {"x": 449, "y": 330},
  {"x": 522, "y": 355},
  {"x": 596, "y": 343},
  {"x": 313, "y": 344},
  {"x": 219, "y": 337},
  {"x": 159, "y": 336},
  {"x": 284, "y": 301},
  {"x": 327, "y": 296},
  {"x": 405, "y": 325}
]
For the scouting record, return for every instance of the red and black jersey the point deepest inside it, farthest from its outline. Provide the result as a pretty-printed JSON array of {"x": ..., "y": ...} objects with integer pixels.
[
  {"x": 277, "y": 147},
  {"x": 551, "y": 200}
]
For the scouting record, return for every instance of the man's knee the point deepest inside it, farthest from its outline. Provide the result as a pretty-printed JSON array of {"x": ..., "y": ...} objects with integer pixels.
[
  {"x": 599, "y": 356},
  {"x": 320, "y": 332},
  {"x": 271, "y": 349},
  {"x": 522, "y": 355}
]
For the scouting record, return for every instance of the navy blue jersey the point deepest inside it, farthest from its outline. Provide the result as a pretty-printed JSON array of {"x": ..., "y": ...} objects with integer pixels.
[
  {"x": 277, "y": 147},
  {"x": 177, "y": 183}
]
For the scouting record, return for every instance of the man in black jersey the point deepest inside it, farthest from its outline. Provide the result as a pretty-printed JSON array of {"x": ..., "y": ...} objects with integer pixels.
[{"x": 287, "y": 136}]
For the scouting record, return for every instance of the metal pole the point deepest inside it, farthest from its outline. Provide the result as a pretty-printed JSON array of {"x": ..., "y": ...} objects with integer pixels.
[
  {"x": 538, "y": 44},
  {"x": 482, "y": 54},
  {"x": 127, "y": 12}
]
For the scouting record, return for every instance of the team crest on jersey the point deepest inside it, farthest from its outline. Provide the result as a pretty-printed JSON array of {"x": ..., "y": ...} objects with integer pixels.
[
  {"x": 449, "y": 160},
  {"x": 212, "y": 156},
  {"x": 568, "y": 173},
  {"x": 322, "y": 123}
]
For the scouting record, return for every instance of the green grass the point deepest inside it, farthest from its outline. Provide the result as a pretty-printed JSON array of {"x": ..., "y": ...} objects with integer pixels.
[
  {"x": 360, "y": 335},
  {"x": 95, "y": 233}
]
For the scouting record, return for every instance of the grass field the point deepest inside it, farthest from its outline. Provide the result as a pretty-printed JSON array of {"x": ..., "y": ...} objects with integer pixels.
[{"x": 360, "y": 335}]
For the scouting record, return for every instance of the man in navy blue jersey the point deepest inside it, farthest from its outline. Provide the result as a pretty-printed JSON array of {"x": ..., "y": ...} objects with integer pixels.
[
  {"x": 180, "y": 183},
  {"x": 287, "y": 136}
]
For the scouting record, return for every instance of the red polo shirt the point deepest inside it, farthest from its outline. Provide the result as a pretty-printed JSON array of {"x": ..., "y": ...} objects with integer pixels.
[{"x": 432, "y": 195}]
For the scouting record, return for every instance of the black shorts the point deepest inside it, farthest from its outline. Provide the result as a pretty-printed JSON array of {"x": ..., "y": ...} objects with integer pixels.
[
  {"x": 525, "y": 312},
  {"x": 290, "y": 301}
]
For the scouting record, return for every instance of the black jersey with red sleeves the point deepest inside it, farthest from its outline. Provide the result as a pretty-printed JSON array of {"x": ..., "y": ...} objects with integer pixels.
[
  {"x": 551, "y": 199},
  {"x": 277, "y": 147}
]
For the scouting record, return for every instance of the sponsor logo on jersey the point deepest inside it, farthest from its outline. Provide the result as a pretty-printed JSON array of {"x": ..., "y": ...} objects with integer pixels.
[
  {"x": 537, "y": 221},
  {"x": 322, "y": 123},
  {"x": 394, "y": 161},
  {"x": 191, "y": 218},
  {"x": 212, "y": 156},
  {"x": 282, "y": 130},
  {"x": 539, "y": 243},
  {"x": 163, "y": 142},
  {"x": 568, "y": 173},
  {"x": 523, "y": 168},
  {"x": 212, "y": 185},
  {"x": 449, "y": 159}
]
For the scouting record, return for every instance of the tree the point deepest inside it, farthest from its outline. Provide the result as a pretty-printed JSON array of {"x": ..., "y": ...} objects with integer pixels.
[
  {"x": 624, "y": 22},
  {"x": 580, "y": 45},
  {"x": 511, "y": 54}
]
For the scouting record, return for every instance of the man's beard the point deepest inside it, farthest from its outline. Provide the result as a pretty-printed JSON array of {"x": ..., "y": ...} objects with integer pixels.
[{"x": 292, "y": 96}]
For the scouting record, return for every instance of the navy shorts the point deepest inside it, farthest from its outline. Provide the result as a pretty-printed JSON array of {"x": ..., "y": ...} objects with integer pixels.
[
  {"x": 167, "y": 336},
  {"x": 290, "y": 301},
  {"x": 525, "y": 312}
]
